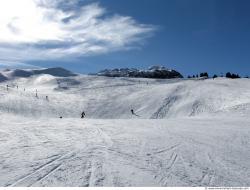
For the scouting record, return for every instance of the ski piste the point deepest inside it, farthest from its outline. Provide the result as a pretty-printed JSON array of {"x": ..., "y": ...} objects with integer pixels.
[{"x": 189, "y": 133}]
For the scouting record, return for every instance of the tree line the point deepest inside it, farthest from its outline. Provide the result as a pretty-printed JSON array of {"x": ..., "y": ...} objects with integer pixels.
[{"x": 206, "y": 75}]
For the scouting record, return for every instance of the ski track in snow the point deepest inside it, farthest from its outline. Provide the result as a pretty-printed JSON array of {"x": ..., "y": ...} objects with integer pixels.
[{"x": 125, "y": 153}]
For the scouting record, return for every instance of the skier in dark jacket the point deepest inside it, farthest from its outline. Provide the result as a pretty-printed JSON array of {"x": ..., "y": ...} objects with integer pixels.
[
  {"x": 132, "y": 111},
  {"x": 82, "y": 115}
]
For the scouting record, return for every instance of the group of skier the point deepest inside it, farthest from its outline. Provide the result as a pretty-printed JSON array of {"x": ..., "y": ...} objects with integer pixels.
[
  {"x": 82, "y": 114},
  {"x": 132, "y": 112}
]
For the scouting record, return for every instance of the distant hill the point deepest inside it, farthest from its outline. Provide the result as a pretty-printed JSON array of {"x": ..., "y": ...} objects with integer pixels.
[
  {"x": 57, "y": 72},
  {"x": 153, "y": 72},
  {"x": 3, "y": 78},
  {"x": 25, "y": 73}
]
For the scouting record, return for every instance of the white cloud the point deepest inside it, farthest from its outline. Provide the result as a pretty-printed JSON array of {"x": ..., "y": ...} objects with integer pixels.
[
  {"x": 14, "y": 64},
  {"x": 44, "y": 29}
]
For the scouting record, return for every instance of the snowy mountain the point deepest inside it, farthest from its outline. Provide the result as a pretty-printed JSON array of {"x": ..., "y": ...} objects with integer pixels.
[
  {"x": 184, "y": 133},
  {"x": 153, "y": 72},
  {"x": 24, "y": 73},
  {"x": 57, "y": 72}
]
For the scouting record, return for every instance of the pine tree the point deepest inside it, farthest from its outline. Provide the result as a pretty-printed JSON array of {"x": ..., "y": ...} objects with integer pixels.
[{"x": 228, "y": 75}]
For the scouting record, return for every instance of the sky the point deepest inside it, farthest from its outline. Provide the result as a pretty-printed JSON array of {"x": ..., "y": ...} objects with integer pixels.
[{"x": 85, "y": 36}]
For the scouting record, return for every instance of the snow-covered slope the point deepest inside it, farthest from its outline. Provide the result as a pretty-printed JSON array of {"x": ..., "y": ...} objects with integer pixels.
[
  {"x": 75, "y": 152},
  {"x": 110, "y": 98},
  {"x": 188, "y": 133}
]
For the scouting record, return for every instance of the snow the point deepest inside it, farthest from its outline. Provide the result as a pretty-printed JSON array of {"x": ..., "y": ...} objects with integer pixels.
[
  {"x": 189, "y": 133},
  {"x": 24, "y": 73}
]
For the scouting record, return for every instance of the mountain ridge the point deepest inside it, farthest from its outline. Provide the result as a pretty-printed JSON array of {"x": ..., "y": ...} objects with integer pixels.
[{"x": 160, "y": 72}]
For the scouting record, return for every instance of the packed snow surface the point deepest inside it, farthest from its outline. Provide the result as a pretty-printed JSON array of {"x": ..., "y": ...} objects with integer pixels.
[{"x": 187, "y": 132}]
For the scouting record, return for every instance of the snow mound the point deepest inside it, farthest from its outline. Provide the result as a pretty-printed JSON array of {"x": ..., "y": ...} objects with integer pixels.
[{"x": 44, "y": 79}]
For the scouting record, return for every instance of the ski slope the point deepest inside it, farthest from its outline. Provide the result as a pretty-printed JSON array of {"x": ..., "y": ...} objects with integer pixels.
[
  {"x": 188, "y": 133},
  {"x": 113, "y": 98}
]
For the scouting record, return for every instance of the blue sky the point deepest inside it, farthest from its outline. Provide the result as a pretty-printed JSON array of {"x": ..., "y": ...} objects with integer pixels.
[{"x": 190, "y": 36}]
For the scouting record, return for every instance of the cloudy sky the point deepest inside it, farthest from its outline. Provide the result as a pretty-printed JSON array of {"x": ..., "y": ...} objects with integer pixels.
[
  {"x": 88, "y": 35},
  {"x": 59, "y": 29}
]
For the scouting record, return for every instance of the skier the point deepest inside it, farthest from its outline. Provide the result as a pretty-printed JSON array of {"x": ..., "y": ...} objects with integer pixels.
[
  {"x": 82, "y": 115},
  {"x": 47, "y": 98},
  {"x": 133, "y": 113}
]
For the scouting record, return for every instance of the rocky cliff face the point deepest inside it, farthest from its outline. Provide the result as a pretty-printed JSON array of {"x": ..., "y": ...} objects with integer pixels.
[{"x": 152, "y": 72}]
